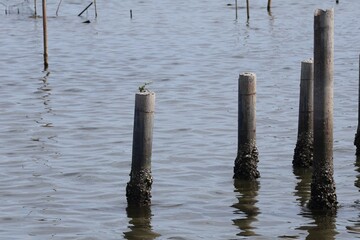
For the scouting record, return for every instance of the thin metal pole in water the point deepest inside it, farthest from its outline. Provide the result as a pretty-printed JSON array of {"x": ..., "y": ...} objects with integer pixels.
[
  {"x": 46, "y": 65},
  {"x": 323, "y": 196},
  {"x": 130, "y": 13},
  {"x": 57, "y": 9},
  {"x": 303, "y": 153},
  {"x": 95, "y": 8},
  {"x": 236, "y": 9},
  {"x": 247, "y": 154},
  {"x": 269, "y": 6},
  {"x": 35, "y": 10},
  {"x": 247, "y": 9},
  {"x": 85, "y": 9},
  {"x": 357, "y": 135},
  {"x": 138, "y": 189}
]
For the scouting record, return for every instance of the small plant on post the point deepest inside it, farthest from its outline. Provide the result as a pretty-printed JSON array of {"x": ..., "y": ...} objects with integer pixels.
[{"x": 143, "y": 87}]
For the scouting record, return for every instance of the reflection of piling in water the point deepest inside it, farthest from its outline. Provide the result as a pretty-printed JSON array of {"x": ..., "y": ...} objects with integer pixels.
[
  {"x": 325, "y": 227},
  {"x": 322, "y": 225},
  {"x": 303, "y": 153},
  {"x": 247, "y": 154},
  {"x": 357, "y": 165},
  {"x": 302, "y": 188},
  {"x": 323, "y": 196},
  {"x": 140, "y": 223},
  {"x": 357, "y": 135},
  {"x": 246, "y": 205},
  {"x": 138, "y": 190},
  {"x": 355, "y": 227}
]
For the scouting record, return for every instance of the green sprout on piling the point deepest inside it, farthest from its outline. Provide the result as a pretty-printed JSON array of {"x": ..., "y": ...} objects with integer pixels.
[{"x": 143, "y": 88}]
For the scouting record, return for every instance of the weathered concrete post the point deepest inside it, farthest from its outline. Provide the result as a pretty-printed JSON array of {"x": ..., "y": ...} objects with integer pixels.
[
  {"x": 138, "y": 190},
  {"x": 303, "y": 153},
  {"x": 323, "y": 196},
  {"x": 357, "y": 135},
  {"x": 247, "y": 153}
]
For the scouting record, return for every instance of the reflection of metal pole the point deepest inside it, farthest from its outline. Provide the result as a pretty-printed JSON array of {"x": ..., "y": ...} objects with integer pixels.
[{"x": 46, "y": 65}]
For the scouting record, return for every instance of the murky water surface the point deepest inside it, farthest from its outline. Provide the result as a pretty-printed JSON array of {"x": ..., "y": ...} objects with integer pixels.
[{"x": 65, "y": 138}]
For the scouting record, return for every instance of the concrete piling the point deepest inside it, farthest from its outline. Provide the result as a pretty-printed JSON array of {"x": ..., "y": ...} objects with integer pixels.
[
  {"x": 303, "y": 153},
  {"x": 247, "y": 153},
  {"x": 138, "y": 190},
  {"x": 323, "y": 196}
]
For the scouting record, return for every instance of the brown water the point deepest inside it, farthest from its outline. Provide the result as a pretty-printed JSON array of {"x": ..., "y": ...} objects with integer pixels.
[{"x": 65, "y": 140}]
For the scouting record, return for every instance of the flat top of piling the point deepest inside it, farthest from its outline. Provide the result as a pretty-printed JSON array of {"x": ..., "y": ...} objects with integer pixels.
[
  {"x": 310, "y": 60},
  {"x": 320, "y": 11},
  {"x": 248, "y": 74},
  {"x": 147, "y": 92}
]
